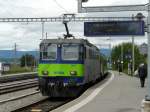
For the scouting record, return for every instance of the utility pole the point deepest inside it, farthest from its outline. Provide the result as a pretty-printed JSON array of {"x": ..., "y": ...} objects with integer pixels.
[
  {"x": 43, "y": 30},
  {"x": 15, "y": 54},
  {"x": 110, "y": 62},
  {"x": 25, "y": 61},
  {"x": 110, "y": 55},
  {"x": 46, "y": 35},
  {"x": 133, "y": 59}
]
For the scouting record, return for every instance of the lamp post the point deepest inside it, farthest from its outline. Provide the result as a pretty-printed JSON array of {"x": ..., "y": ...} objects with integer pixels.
[
  {"x": 118, "y": 63},
  {"x": 139, "y": 16},
  {"x": 110, "y": 62},
  {"x": 122, "y": 56},
  {"x": 133, "y": 56}
]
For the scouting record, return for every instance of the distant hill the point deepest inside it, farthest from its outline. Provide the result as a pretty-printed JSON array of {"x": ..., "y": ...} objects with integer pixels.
[
  {"x": 11, "y": 54},
  {"x": 8, "y": 55}
]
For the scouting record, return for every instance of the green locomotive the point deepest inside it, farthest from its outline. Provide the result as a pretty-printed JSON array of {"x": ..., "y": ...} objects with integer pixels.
[{"x": 67, "y": 65}]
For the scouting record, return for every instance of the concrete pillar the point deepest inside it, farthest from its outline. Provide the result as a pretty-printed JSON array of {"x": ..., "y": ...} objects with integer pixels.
[
  {"x": 148, "y": 34},
  {"x": 145, "y": 106},
  {"x": 79, "y": 6}
]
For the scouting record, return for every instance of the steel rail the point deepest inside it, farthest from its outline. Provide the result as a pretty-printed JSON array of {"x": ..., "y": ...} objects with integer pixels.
[
  {"x": 17, "y": 82},
  {"x": 21, "y": 101},
  {"x": 5, "y": 88},
  {"x": 19, "y": 97}
]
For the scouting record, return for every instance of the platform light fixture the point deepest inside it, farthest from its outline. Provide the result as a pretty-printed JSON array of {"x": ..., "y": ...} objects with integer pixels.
[
  {"x": 84, "y": 0},
  {"x": 140, "y": 16}
]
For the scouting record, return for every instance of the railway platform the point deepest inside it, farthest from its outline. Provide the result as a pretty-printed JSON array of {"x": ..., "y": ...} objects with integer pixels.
[{"x": 117, "y": 93}]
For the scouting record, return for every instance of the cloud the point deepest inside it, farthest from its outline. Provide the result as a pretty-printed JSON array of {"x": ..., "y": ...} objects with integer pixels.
[
  {"x": 28, "y": 35},
  {"x": 34, "y": 8}
]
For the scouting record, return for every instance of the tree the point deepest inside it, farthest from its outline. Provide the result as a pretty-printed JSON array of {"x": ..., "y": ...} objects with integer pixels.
[
  {"x": 127, "y": 55},
  {"x": 103, "y": 61},
  {"x": 27, "y": 60}
]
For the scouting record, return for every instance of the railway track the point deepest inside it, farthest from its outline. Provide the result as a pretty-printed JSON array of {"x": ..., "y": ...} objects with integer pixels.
[
  {"x": 15, "y": 103},
  {"x": 18, "y": 77},
  {"x": 49, "y": 103},
  {"x": 45, "y": 105},
  {"x": 17, "y": 85},
  {"x": 31, "y": 101}
]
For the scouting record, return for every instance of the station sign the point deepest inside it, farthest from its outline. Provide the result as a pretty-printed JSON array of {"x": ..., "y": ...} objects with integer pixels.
[{"x": 114, "y": 28}]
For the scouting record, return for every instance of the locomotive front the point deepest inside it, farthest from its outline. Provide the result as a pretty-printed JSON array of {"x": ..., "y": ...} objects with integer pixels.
[{"x": 61, "y": 67}]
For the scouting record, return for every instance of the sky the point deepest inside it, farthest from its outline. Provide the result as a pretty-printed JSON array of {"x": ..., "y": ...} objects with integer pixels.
[{"x": 27, "y": 36}]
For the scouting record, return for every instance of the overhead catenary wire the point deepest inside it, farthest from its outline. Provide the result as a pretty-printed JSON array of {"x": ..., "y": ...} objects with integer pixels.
[{"x": 59, "y": 5}]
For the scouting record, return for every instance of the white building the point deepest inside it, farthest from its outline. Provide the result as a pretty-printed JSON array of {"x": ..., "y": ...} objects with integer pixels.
[
  {"x": 143, "y": 48},
  {"x": 4, "y": 67}
]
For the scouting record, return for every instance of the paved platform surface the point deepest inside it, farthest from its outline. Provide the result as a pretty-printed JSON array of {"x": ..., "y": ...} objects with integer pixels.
[{"x": 122, "y": 94}]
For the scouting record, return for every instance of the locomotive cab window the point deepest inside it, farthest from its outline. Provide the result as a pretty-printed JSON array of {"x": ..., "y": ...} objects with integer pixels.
[
  {"x": 71, "y": 52},
  {"x": 48, "y": 52}
]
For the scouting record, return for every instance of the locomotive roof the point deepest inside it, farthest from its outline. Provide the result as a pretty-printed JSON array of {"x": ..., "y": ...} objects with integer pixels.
[
  {"x": 59, "y": 41},
  {"x": 73, "y": 41}
]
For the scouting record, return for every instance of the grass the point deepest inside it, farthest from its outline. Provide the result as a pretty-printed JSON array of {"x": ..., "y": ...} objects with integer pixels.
[{"x": 17, "y": 69}]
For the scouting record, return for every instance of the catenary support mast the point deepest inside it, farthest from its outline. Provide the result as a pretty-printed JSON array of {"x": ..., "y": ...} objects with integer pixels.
[{"x": 148, "y": 33}]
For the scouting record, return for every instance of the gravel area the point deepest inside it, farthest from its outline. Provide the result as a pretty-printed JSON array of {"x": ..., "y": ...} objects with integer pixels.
[
  {"x": 19, "y": 103},
  {"x": 45, "y": 105}
]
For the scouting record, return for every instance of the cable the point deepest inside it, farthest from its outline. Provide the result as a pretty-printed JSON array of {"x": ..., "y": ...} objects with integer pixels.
[{"x": 60, "y": 6}]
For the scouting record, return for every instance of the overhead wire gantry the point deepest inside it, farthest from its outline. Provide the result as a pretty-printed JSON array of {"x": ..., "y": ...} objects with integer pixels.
[{"x": 65, "y": 18}]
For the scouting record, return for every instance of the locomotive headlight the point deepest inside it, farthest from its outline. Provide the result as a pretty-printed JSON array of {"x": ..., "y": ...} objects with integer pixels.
[
  {"x": 73, "y": 73},
  {"x": 45, "y": 72}
]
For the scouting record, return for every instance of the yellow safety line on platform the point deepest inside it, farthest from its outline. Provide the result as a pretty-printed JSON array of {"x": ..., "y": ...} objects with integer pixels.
[{"x": 36, "y": 110}]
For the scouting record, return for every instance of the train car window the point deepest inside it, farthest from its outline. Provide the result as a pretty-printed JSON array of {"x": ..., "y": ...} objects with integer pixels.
[
  {"x": 52, "y": 52},
  {"x": 89, "y": 53},
  {"x": 70, "y": 52},
  {"x": 81, "y": 53},
  {"x": 84, "y": 52},
  {"x": 48, "y": 52},
  {"x": 43, "y": 52}
]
